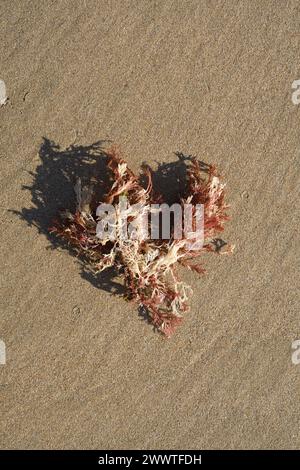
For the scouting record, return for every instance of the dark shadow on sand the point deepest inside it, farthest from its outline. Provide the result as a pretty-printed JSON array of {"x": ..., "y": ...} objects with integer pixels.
[{"x": 52, "y": 190}]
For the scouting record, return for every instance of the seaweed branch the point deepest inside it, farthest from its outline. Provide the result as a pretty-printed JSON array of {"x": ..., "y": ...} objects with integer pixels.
[{"x": 148, "y": 266}]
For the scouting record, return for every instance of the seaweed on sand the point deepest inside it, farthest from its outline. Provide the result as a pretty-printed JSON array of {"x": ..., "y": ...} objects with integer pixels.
[{"x": 148, "y": 266}]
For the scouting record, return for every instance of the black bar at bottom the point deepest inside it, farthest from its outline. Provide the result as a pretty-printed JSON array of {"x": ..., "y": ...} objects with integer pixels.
[{"x": 138, "y": 458}]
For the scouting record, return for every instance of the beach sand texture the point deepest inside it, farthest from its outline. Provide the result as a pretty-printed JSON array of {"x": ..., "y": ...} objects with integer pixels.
[{"x": 208, "y": 78}]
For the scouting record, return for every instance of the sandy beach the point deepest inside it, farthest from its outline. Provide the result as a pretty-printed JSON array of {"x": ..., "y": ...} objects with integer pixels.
[{"x": 209, "y": 78}]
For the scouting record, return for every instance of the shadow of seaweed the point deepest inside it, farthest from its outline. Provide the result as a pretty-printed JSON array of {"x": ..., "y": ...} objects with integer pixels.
[
  {"x": 53, "y": 183},
  {"x": 170, "y": 179},
  {"x": 52, "y": 190}
]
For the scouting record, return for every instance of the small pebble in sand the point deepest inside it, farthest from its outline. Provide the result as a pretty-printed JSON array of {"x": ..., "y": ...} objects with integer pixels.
[
  {"x": 245, "y": 195},
  {"x": 76, "y": 310},
  {"x": 3, "y": 96}
]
